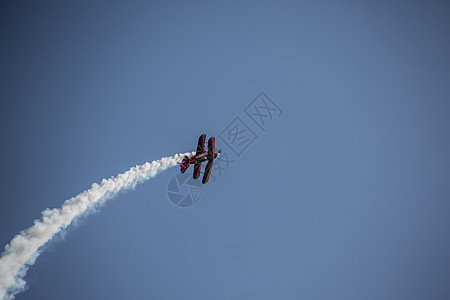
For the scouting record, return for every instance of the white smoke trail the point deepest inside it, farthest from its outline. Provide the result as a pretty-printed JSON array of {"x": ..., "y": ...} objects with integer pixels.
[{"x": 24, "y": 248}]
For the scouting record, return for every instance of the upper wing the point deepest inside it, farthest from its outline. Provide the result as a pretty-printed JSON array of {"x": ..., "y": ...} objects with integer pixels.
[
  {"x": 211, "y": 155},
  {"x": 211, "y": 148},
  {"x": 207, "y": 171},
  {"x": 201, "y": 144}
]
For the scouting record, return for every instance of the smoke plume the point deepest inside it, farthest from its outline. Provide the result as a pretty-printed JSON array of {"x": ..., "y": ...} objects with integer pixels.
[{"x": 25, "y": 247}]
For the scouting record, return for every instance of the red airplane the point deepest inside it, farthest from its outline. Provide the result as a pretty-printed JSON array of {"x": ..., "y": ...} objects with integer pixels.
[{"x": 201, "y": 156}]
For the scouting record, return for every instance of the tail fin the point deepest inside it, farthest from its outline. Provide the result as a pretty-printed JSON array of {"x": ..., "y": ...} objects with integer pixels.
[{"x": 184, "y": 164}]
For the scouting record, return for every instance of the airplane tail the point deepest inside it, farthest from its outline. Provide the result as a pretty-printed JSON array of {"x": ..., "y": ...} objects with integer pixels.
[{"x": 184, "y": 164}]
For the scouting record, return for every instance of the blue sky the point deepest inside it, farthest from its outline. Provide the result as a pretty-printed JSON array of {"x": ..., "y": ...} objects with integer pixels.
[{"x": 345, "y": 196}]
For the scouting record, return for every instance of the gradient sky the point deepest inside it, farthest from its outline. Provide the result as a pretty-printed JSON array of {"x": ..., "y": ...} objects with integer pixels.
[{"x": 345, "y": 196}]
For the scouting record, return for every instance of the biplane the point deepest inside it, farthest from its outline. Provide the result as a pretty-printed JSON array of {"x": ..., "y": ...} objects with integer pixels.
[{"x": 201, "y": 156}]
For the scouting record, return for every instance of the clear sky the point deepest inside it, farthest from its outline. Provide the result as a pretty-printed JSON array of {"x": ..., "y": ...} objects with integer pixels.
[{"x": 345, "y": 196}]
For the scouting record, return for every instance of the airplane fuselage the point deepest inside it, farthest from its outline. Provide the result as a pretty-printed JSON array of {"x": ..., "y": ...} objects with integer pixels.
[{"x": 199, "y": 158}]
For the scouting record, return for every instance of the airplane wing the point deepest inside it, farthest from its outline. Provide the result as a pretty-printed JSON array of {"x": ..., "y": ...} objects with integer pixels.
[
  {"x": 197, "y": 170},
  {"x": 201, "y": 144},
  {"x": 207, "y": 171},
  {"x": 211, "y": 155},
  {"x": 211, "y": 148}
]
